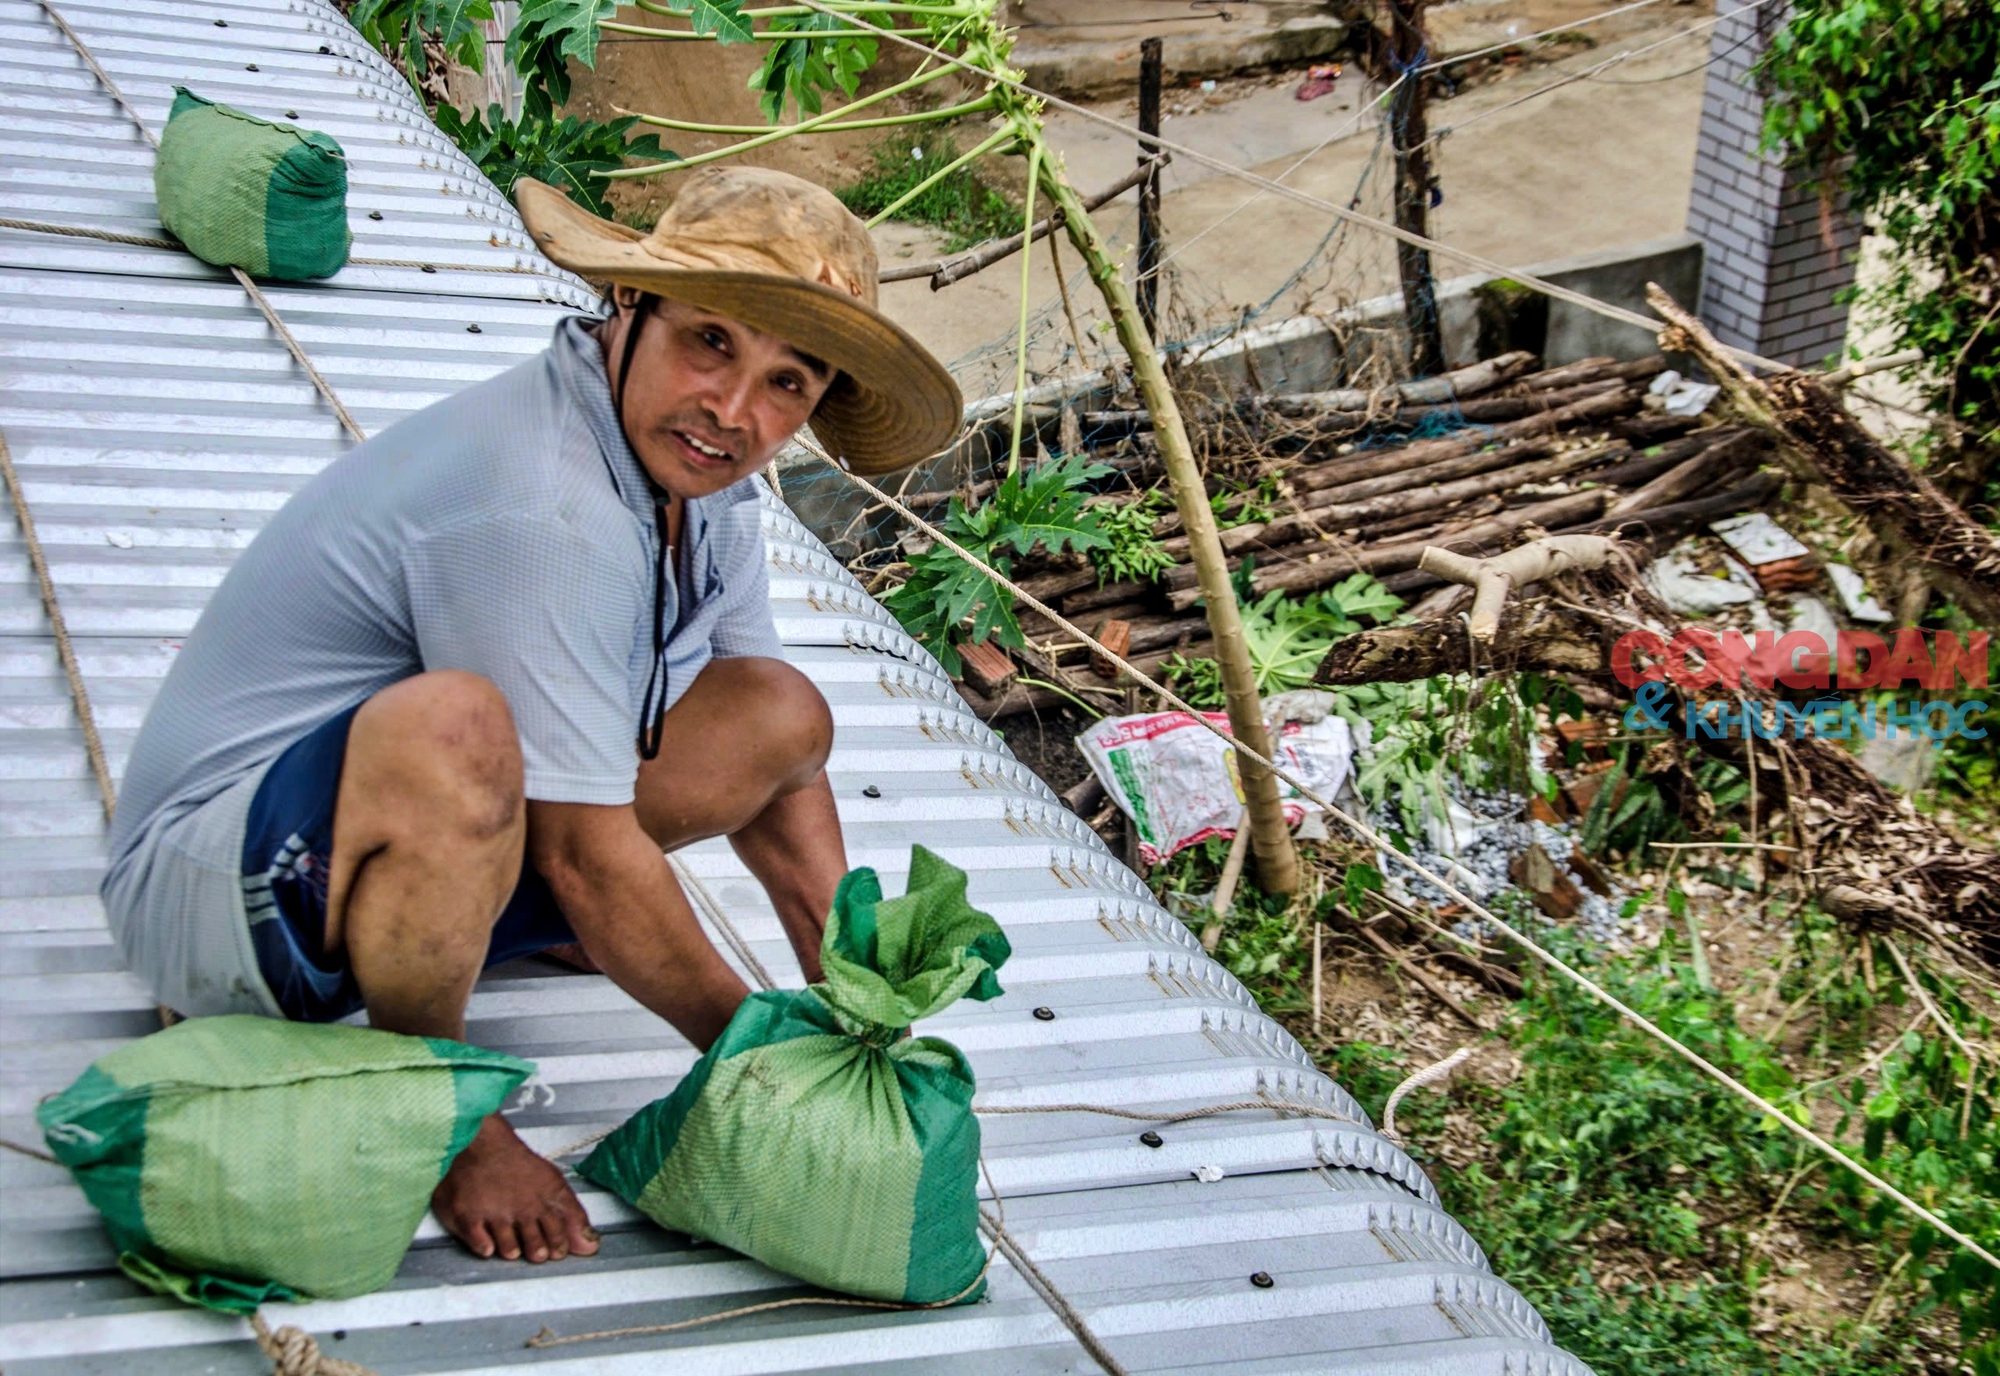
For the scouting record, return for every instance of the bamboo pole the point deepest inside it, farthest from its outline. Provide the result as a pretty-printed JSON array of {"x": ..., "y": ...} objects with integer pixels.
[{"x": 1270, "y": 839}]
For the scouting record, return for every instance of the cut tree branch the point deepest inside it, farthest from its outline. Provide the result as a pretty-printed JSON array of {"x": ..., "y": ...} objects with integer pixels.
[
  {"x": 1819, "y": 442},
  {"x": 1871, "y": 858},
  {"x": 944, "y": 271}
]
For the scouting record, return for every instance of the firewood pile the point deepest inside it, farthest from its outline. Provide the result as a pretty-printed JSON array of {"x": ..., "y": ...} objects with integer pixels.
[{"x": 1337, "y": 483}]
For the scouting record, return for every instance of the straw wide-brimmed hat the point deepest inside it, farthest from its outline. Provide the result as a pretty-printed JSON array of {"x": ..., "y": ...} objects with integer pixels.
[{"x": 786, "y": 257}]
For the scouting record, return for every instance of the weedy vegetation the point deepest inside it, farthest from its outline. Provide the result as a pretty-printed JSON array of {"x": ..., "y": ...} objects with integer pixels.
[
  {"x": 966, "y": 208},
  {"x": 945, "y": 602}
]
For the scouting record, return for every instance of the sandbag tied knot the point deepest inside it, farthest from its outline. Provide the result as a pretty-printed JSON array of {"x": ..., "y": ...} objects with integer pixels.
[
  {"x": 293, "y": 1352},
  {"x": 889, "y": 962}
]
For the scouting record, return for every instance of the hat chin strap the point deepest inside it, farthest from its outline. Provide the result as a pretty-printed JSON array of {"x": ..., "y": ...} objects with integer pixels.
[
  {"x": 653, "y": 709},
  {"x": 634, "y": 326}
]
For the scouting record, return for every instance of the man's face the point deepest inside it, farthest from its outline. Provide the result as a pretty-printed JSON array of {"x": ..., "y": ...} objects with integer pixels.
[{"x": 709, "y": 399}]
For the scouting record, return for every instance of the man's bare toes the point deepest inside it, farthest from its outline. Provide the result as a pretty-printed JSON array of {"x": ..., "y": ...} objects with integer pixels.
[
  {"x": 578, "y": 1236},
  {"x": 477, "y": 1240},
  {"x": 535, "y": 1240},
  {"x": 507, "y": 1242},
  {"x": 553, "y": 1241}
]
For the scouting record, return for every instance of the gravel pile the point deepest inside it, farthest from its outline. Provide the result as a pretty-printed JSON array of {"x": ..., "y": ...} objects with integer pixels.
[{"x": 1499, "y": 833}]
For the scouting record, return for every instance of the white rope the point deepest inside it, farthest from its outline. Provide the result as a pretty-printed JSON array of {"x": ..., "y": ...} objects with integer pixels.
[
  {"x": 1050, "y": 1293},
  {"x": 1368, "y": 834},
  {"x": 1429, "y": 1075},
  {"x": 111, "y": 236},
  {"x": 702, "y": 899},
  {"x": 1229, "y": 169}
]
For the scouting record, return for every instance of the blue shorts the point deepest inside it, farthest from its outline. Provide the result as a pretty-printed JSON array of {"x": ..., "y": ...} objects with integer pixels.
[{"x": 286, "y": 844}]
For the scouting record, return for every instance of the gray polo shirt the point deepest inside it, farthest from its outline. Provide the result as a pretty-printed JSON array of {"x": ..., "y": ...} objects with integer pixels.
[{"x": 508, "y": 531}]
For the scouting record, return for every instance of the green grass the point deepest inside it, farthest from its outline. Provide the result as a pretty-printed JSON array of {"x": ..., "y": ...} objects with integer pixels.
[
  {"x": 966, "y": 208},
  {"x": 1619, "y": 1188},
  {"x": 1605, "y": 1148}
]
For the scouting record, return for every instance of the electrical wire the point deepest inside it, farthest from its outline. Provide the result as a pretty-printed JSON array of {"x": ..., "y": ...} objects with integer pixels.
[
  {"x": 1703, "y": 65},
  {"x": 1301, "y": 161}
]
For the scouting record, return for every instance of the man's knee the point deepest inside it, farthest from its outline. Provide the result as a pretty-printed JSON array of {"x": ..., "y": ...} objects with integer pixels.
[
  {"x": 793, "y": 717},
  {"x": 446, "y": 742}
]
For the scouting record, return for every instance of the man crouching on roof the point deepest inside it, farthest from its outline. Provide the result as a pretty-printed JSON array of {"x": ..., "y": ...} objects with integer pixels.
[{"x": 463, "y": 691}]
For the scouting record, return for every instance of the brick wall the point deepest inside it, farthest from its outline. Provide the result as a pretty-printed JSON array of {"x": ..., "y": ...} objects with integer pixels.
[{"x": 1770, "y": 275}]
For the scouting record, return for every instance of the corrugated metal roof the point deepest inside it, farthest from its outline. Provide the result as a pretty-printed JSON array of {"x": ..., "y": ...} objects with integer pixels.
[{"x": 156, "y": 422}]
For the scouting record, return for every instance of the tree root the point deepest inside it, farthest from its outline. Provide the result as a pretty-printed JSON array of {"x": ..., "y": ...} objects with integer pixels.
[{"x": 1492, "y": 579}]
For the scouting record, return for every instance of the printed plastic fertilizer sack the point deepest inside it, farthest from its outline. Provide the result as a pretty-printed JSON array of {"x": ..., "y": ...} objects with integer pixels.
[
  {"x": 242, "y": 1159},
  {"x": 243, "y": 192},
  {"x": 1178, "y": 782},
  {"x": 816, "y": 1137}
]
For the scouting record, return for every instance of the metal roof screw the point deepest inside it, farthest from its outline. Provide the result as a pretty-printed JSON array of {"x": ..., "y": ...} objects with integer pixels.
[
  {"x": 871, "y": 792},
  {"x": 291, "y": 114},
  {"x": 1045, "y": 1014},
  {"x": 324, "y": 50},
  {"x": 222, "y": 23},
  {"x": 472, "y": 329},
  {"x": 1152, "y": 1139},
  {"x": 249, "y": 66},
  {"x": 374, "y": 214},
  {"x": 430, "y": 267},
  {"x": 1262, "y": 1280},
  {"x": 340, "y": 1335}
]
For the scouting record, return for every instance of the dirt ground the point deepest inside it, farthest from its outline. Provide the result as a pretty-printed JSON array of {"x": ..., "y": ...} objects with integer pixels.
[
  {"x": 1597, "y": 163},
  {"x": 1589, "y": 166}
]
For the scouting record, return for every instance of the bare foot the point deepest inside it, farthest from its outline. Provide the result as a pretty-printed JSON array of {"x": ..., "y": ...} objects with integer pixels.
[{"x": 501, "y": 1197}]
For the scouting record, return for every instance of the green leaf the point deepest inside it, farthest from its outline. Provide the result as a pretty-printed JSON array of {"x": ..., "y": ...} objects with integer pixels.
[
  {"x": 545, "y": 36},
  {"x": 566, "y": 153},
  {"x": 723, "y": 18},
  {"x": 1361, "y": 595},
  {"x": 804, "y": 68},
  {"x": 1360, "y": 878},
  {"x": 1045, "y": 505},
  {"x": 399, "y": 28}
]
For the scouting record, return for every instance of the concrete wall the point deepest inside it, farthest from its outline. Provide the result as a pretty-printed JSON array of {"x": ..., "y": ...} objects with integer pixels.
[
  {"x": 1774, "y": 260},
  {"x": 1618, "y": 276}
]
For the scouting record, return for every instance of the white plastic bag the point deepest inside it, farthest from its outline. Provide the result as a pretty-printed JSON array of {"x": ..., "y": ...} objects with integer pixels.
[{"x": 1179, "y": 783}]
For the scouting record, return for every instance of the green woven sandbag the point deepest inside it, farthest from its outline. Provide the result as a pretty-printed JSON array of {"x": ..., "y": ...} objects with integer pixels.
[
  {"x": 243, "y": 192},
  {"x": 240, "y": 1159},
  {"x": 816, "y": 1137}
]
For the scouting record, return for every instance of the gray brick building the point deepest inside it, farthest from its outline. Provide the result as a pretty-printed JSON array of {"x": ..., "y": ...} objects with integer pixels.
[{"x": 1774, "y": 259}]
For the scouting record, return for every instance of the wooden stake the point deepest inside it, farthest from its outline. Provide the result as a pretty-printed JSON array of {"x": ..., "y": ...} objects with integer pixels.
[
  {"x": 1408, "y": 45},
  {"x": 1225, "y": 887},
  {"x": 1149, "y": 189},
  {"x": 1319, "y": 998}
]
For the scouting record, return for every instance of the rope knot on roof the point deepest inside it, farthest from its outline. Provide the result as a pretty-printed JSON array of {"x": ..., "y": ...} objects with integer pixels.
[{"x": 294, "y": 1352}]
